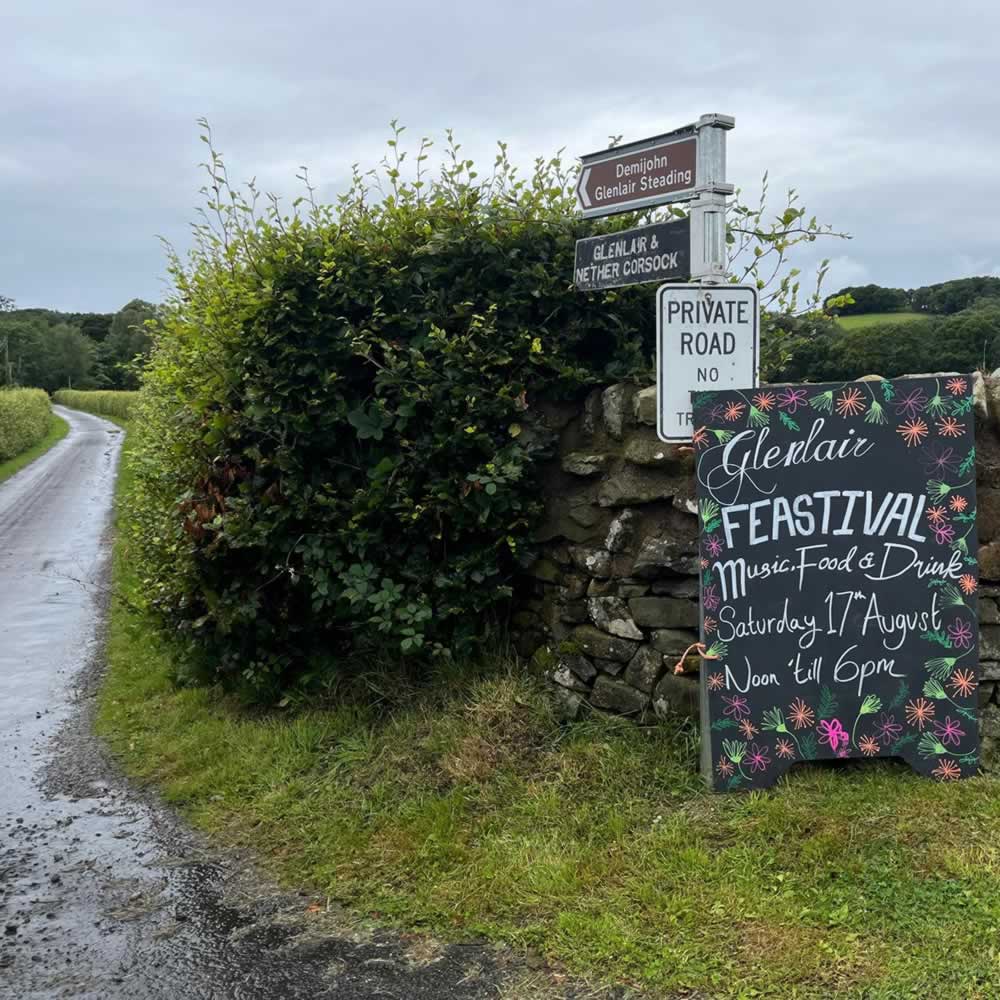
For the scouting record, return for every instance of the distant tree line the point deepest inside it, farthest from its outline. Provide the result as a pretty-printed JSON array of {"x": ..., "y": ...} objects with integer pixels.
[
  {"x": 942, "y": 299},
  {"x": 54, "y": 350}
]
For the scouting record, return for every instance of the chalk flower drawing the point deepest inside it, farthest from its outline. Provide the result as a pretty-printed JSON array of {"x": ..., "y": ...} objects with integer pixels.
[
  {"x": 715, "y": 682},
  {"x": 960, "y": 633},
  {"x": 764, "y": 401},
  {"x": 950, "y": 427},
  {"x": 943, "y": 533},
  {"x": 913, "y": 431},
  {"x": 700, "y": 437},
  {"x": 725, "y": 767},
  {"x": 801, "y": 714},
  {"x": 947, "y": 770},
  {"x": 736, "y": 706},
  {"x": 919, "y": 712},
  {"x": 936, "y": 515},
  {"x": 709, "y": 624},
  {"x": 784, "y": 749},
  {"x": 758, "y": 758},
  {"x": 963, "y": 683},
  {"x": 710, "y": 598},
  {"x": 734, "y": 411},
  {"x": 912, "y": 403},
  {"x": 949, "y": 732},
  {"x": 868, "y": 746},
  {"x": 714, "y": 546},
  {"x": 791, "y": 399},
  {"x": 748, "y": 729},
  {"x": 968, "y": 584},
  {"x": 888, "y": 729},
  {"x": 833, "y": 734},
  {"x": 940, "y": 459},
  {"x": 958, "y": 504},
  {"x": 851, "y": 403},
  {"x": 955, "y": 386}
]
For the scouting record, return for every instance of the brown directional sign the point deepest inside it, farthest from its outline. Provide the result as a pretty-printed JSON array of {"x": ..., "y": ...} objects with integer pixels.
[
  {"x": 659, "y": 252},
  {"x": 650, "y": 172}
]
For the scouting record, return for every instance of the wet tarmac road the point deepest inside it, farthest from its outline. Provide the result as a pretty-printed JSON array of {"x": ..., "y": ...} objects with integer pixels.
[{"x": 104, "y": 894}]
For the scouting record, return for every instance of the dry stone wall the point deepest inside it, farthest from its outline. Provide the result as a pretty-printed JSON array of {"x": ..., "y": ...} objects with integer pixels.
[{"x": 609, "y": 599}]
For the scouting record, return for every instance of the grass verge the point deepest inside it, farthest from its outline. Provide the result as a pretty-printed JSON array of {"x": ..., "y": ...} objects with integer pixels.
[
  {"x": 58, "y": 429},
  {"x": 877, "y": 319},
  {"x": 467, "y": 810}
]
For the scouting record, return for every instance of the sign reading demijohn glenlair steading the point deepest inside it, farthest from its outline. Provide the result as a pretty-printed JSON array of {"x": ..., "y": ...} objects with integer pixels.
[{"x": 839, "y": 577}]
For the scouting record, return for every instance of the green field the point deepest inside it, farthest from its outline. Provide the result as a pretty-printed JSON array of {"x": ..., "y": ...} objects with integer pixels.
[{"x": 875, "y": 319}]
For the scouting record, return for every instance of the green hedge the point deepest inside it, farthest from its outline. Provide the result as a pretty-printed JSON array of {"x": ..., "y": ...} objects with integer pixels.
[
  {"x": 104, "y": 403},
  {"x": 25, "y": 418}
]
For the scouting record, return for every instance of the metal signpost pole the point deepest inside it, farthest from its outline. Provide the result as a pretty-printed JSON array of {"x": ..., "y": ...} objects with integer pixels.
[{"x": 708, "y": 211}]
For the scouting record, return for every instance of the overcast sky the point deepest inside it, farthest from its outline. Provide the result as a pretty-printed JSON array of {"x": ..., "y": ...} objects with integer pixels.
[{"x": 883, "y": 115}]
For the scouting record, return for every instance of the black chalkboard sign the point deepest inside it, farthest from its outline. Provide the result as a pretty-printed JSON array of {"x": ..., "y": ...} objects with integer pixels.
[{"x": 839, "y": 577}]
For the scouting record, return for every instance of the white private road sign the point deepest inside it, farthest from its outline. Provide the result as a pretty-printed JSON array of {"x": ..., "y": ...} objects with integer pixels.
[{"x": 707, "y": 338}]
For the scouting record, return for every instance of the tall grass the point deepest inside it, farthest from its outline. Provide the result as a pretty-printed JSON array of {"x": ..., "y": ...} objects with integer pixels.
[
  {"x": 103, "y": 403},
  {"x": 25, "y": 418}
]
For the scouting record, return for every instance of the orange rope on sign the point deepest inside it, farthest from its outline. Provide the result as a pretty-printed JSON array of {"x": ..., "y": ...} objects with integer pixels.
[{"x": 700, "y": 646}]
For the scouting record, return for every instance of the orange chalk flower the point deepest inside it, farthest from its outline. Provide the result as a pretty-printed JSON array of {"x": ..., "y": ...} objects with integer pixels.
[
  {"x": 715, "y": 682},
  {"x": 919, "y": 712},
  {"x": 725, "y": 767},
  {"x": 868, "y": 746},
  {"x": 700, "y": 437},
  {"x": 937, "y": 515},
  {"x": 968, "y": 583},
  {"x": 850, "y": 403},
  {"x": 913, "y": 431},
  {"x": 734, "y": 411},
  {"x": 784, "y": 749},
  {"x": 748, "y": 729},
  {"x": 801, "y": 714},
  {"x": 764, "y": 401},
  {"x": 955, "y": 386},
  {"x": 947, "y": 770},
  {"x": 958, "y": 504},
  {"x": 950, "y": 427},
  {"x": 963, "y": 683},
  {"x": 709, "y": 624}
]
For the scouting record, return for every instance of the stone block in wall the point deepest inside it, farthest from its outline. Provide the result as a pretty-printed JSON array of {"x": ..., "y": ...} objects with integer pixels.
[
  {"x": 573, "y": 612},
  {"x": 664, "y": 612},
  {"x": 672, "y": 642},
  {"x": 675, "y": 694},
  {"x": 569, "y": 705},
  {"x": 594, "y": 562},
  {"x": 989, "y": 670},
  {"x": 989, "y": 642},
  {"x": 595, "y": 643},
  {"x": 989, "y": 613},
  {"x": 681, "y": 586},
  {"x": 987, "y": 693},
  {"x": 586, "y": 515},
  {"x": 585, "y": 464},
  {"x": 565, "y": 678},
  {"x": 988, "y": 514},
  {"x": 643, "y": 447},
  {"x": 574, "y": 586},
  {"x": 602, "y": 588},
  {"x": 621, "y": 531},
  {"x": 644, "y": 406},
  {"x": 611, "y": 614},
  {"x": 644, "y": 669},
  {"x": 616, "y": 405},
  {"x": 660, "y": 556},
  {"x": 988, "y": 460},
  {"x": 629, "y": 589},
  {"x": 591, "y": 412},
  {"x": 989, "y": 561},
  {"x": 611, "y": 667},
  {"x": 634, "y": 484},
  {"x": 545, "y": 570},
  {"x": 616, "y": 696},
  {"x": 578, "y": 665}
]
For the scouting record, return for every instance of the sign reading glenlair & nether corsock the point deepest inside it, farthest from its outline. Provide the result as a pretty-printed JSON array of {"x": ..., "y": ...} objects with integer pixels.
[{"x": 839, "y": 577}]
